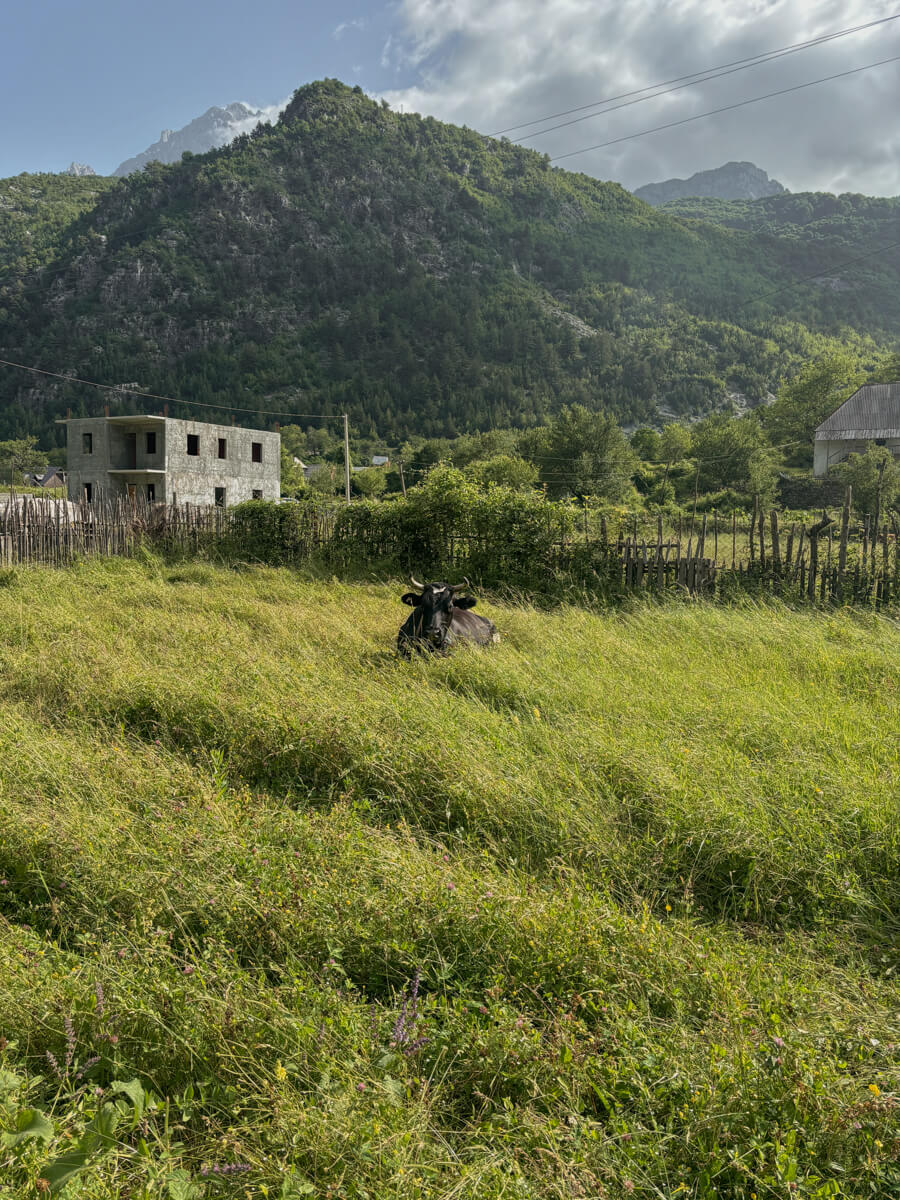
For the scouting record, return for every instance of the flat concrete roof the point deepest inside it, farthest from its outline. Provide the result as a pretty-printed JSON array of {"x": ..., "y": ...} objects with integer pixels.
[{"x": 117, "y": 420}]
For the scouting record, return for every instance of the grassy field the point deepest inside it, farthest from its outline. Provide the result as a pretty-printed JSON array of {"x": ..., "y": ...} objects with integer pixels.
[{"x": 611, "y": 910}]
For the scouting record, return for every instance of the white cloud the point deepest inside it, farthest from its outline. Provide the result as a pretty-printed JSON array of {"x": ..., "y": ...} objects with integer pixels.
[
  {"x": 269, "y": 113},
  {"x": 354, "y": 23},
  {"x": 494, "y": 65}
]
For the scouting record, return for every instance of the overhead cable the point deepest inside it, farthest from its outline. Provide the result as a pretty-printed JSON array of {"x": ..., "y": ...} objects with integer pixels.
[
  {"x": 797, "y": 87},
  {"x": 718, "y": 74},
  {"x": 753, "y": 60}
]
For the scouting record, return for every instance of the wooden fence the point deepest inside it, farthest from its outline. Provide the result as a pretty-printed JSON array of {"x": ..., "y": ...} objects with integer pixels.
[
  {"x": 831, "y": 560},
  {"x": 825, "y": 561}
]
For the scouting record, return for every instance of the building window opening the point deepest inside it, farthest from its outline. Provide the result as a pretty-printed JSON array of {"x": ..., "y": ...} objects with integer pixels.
[
  {"x": 193, "y": 444},
  {"x": 151, "y": 492},
  {"x": 151, "y": 443},
  {"x": 223, "y": 447},
  {"x": 256, "y": 451},
  {"x": 87, "y": 443},
  {"x": 89, "y": 490},
  {"x": 257, "y": 493},
  {"x": 220, "y": 497}
]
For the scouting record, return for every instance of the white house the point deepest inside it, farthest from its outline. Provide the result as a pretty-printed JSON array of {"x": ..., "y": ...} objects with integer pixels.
[{"x": 872, "y": 414}]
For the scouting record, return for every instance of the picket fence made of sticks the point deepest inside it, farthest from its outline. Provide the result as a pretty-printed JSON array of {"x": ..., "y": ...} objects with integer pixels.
[{"x": 831, "y": 560}]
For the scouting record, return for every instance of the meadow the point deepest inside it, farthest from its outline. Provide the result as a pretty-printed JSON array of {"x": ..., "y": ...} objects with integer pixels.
[{"x": 610, "y": 910}]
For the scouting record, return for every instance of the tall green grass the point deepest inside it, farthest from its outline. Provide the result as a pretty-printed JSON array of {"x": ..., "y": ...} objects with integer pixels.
[{"x": 644, "y": 866}]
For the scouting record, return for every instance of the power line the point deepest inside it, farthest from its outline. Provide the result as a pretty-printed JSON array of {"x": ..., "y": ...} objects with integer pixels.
[
  {"x": 798, "y": 87},
  {"x": 123, "y": 391},
  {"x": 717, "y": 74},
  {"x": 753, "y": 60}
]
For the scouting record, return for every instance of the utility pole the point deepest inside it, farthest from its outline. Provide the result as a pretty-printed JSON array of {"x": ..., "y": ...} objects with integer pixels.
[
  {"x": 402, "y": 480},
  {"x": 346, "y": 459}
]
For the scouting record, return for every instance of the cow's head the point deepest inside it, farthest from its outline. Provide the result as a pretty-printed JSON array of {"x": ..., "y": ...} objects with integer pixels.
[{"x": 434, "y": 604}]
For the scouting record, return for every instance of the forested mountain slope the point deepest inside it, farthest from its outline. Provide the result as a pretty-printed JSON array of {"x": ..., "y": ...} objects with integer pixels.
[
  {"x": 420, "y": 276},
  {"x": 850, "y": 221},
  {"x": 35, "y": 210}
]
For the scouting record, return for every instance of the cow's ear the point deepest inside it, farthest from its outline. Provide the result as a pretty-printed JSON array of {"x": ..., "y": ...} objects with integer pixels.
[
  {"x": 465, "y": 602},
  {"x": 411, "y": 599}
]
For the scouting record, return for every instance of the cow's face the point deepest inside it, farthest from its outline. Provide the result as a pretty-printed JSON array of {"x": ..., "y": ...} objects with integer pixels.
[{"x": 434, "y": 612}]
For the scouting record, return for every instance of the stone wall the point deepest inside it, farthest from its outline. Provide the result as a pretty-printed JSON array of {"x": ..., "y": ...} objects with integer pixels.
[{"x": 806, "y": 492}]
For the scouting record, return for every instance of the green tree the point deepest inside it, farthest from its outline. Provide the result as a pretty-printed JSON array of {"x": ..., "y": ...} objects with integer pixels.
[
  {"x": 293, "y": 481},
  {"x": 874, "y": 469},
  {"x": 888, "y": 370},
  {"x": 370, "y": 483},
  {"x": 293, "y": 441},
  {"x": 18, "y": 457},
  {"x": 327, "y": 481},
  {"x": 806, "y": 401},
  {"x": 674, "y": 443},
  {"x": 507, "y": 470},
  {"x": 583, "y": 453},
  {"x": 645, "y": 443},
  {"x": 731, "y": 452}
]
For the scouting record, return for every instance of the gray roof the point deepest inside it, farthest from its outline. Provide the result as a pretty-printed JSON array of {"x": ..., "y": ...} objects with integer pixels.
[{"x": 873, "y": 411}]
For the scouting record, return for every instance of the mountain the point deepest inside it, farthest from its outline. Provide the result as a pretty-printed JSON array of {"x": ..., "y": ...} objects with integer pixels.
[
  {"x": 421, "y": 277},
  {"x": 217, "y": 127},
  {"x": 35, "y": 212},
  {"x": 79, "y": 170},
  {"x": 847, "y": 222},
  {"x": 734, "y": 181}
]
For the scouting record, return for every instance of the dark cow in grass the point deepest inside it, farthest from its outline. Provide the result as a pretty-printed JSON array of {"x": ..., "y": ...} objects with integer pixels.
[{"x": 441, "y": 619}]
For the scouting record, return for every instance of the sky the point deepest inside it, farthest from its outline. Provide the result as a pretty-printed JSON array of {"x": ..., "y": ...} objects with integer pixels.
[{"x": 98, "y": 81}]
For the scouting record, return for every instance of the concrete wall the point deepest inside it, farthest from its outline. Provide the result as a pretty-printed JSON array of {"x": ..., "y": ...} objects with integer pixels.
[
  {"x": 827, "y": 454},
  {"x": 120, "y": 461},
  {"x": 193, "y": 479},
  {"x": 87, "y": 468}
]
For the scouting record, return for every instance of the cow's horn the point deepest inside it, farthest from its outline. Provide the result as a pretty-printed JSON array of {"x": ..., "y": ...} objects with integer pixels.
[
  {"x": 460, "y": 587},
  {"x": 416, "y": 584}
]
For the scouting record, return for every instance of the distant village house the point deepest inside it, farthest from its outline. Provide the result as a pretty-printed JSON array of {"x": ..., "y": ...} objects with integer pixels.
[
  {"x": 166, "y": 461},
  {"x": 53, "y": 477},
  {"x": 872, "y": 414}
]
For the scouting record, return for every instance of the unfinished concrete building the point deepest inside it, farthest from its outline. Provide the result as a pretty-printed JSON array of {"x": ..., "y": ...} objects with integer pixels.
[{"x": 165, "y": 461}]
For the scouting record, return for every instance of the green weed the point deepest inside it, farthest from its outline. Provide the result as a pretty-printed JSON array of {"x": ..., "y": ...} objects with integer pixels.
[{"x": 641, "y": 866}]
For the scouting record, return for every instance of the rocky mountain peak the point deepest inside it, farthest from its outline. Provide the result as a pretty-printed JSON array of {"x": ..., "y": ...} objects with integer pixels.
[
  {"x": 79, "y": 169},
  {"x": 733, "y": 181},
  {"x": 216, "y": 127}
]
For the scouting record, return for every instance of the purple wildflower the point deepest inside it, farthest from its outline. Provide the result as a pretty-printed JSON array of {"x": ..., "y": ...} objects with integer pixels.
[
  {"x": 91, "y": 1062},
  {"x": 402, "y": 1035},
  {"x": 70, "y": 1042}
]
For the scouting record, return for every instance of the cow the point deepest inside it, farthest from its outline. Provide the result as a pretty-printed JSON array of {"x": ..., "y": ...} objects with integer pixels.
[{"x": 440, "y": 619}]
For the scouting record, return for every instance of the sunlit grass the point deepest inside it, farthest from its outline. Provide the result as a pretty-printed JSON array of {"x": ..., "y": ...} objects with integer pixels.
[{"x": 646, "y": 865}]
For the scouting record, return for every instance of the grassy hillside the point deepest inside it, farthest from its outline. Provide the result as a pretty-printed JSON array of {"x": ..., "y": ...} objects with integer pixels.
[
  {"x": 422, "y": 277},
  {"x": 644, "y": 868}
]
